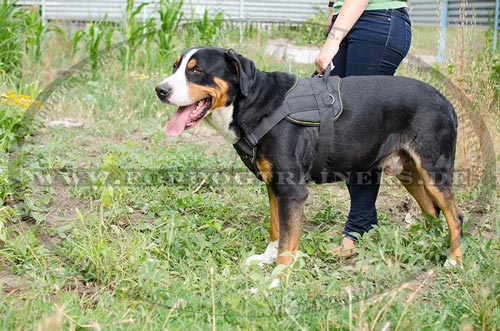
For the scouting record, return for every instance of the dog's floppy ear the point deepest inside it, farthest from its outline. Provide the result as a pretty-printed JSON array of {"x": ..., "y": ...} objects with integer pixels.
[{"x": 245, "y": 70}]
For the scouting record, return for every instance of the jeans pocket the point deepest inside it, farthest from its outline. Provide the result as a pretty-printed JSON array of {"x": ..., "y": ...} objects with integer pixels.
[
  {"x": 378, "y": 15},
  {"x": 399, "y": 37}
]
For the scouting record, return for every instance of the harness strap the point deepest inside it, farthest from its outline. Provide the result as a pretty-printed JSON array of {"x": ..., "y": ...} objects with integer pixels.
[
  {"x": 275, "y": 117},
  {"x": 326, "y": 127},
  {"x": 305, "y": 95}
]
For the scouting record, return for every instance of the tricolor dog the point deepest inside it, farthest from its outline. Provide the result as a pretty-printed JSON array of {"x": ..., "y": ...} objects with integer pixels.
[{"x": 291, "y": 131}]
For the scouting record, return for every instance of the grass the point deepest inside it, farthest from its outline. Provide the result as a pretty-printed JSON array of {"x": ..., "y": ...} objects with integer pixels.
[
  {"x": 141, "y": 257},
  {"x": 112, "y": 226}
]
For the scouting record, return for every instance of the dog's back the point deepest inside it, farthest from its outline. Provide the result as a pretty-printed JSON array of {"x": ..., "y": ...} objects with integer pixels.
[{"x": 383, "y": 114}]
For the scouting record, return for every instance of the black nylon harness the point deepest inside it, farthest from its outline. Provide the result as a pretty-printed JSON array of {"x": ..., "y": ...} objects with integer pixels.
[{"x": 310, "y": 102}]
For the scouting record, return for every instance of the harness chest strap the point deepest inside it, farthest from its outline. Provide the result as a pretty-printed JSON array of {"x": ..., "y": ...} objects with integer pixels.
[{"x": 311, "y": 102}]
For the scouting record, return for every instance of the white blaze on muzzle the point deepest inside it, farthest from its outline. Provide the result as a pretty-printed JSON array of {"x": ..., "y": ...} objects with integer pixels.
[{"x": 178, "y": 83}]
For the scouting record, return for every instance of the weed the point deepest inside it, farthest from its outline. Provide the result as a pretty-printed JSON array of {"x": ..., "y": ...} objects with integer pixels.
[{"x": 14, "y": 123}]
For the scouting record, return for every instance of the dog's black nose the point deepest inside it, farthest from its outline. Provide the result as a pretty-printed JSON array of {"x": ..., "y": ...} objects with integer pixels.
[{"x": 163, "y": 91}]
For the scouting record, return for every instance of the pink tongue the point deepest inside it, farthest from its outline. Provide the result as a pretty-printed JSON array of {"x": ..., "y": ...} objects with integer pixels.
[{"x": 177, "y": 122}]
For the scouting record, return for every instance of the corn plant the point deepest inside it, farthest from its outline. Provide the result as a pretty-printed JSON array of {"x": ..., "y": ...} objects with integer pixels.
[
  {"x": 11, "y": 37},
  {"x": 94, "y": 37},
  {"x": 205, "y": 28},
  {"x": 36, "y": 30},
  {"x": 134, "y": 31},
  {"x": 171, "y": 14}
]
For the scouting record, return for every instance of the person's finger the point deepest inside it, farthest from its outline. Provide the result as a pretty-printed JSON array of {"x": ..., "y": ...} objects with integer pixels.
[
  {"x": 320, "y": 69},
  {"x": 317, "y": 65}
]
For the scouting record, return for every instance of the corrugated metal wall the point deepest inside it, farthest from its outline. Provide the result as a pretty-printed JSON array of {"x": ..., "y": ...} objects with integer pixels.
[
  {"x": 478, "y": 12},
  {"x": 423, "y": 12},
  {"x": 290, "y": 10}
]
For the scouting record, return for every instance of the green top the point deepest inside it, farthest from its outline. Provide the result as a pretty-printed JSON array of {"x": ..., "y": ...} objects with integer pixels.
[{"x": 374, "y": 5}]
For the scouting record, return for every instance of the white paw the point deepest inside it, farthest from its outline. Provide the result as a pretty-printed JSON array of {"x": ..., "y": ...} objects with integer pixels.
[
  {"x": 451, "y": 263},
  {"x": 268, "y": 257},
  {"x": 254, "y": 290},
  {"x": 274, "y": 283}
]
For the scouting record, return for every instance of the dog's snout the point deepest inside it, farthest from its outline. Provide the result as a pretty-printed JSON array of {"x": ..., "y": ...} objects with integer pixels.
[{"x": 164, "y": 91}]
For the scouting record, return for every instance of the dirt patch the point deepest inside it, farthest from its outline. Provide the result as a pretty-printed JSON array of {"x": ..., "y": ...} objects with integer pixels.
[
  {"x": 418, "y": 286},
  {"x": 73, "y": 284},
  {"x": 63, "y": 206},
  {"x": 12, "y": 284}
]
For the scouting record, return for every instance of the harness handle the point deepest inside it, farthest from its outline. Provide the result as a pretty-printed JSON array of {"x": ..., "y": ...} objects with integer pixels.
[
  {"x": 328, "y": 70},
  {"x": 325, "y": 76}
]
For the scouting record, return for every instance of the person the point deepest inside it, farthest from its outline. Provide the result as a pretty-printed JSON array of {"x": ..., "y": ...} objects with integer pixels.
[{"x": 365, "y": 37}]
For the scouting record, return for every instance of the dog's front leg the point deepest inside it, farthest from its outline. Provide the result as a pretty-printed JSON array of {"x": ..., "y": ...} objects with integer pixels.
[
  {"x": 270, "y": 254},
  {"x": 287, "y": 206},
  {"x": 290, "y": 200}
]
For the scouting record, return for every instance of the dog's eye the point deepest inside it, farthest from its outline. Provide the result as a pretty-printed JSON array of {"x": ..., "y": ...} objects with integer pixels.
[
  {"x": 174, "y": 66},
  {"x": 196, "y": 71}
]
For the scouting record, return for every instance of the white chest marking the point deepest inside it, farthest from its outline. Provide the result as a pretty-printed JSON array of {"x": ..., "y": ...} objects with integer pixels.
[{"x": 220, "y": 119}]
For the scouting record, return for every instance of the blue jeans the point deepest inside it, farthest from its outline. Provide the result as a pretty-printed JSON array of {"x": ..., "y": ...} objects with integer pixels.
[{"x": 376, "y": 45}]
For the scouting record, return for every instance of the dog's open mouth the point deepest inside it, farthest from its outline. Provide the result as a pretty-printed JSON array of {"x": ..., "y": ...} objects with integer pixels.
[{"x": 187, "y": 117}]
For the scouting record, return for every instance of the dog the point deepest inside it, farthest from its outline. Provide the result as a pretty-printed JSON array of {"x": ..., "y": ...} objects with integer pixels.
[{"x": 396, "y": 124}]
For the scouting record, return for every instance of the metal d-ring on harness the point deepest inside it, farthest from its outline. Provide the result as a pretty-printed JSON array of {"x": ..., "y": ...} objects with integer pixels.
[{"x": 311, "y": 101}]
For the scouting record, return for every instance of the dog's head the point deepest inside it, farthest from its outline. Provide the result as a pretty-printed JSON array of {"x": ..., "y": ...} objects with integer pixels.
[{"x": 204, "y": 80}]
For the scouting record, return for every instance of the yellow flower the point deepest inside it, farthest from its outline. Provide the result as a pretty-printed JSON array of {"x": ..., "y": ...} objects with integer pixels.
[
  {"x": 139, "y": 76},
  {"x": 11, "y": 98}
]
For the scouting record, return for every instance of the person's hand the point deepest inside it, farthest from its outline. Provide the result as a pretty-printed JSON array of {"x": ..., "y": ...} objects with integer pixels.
[
  {"x": 349, "y": 13},
  {"x": 325, "y": 56}
]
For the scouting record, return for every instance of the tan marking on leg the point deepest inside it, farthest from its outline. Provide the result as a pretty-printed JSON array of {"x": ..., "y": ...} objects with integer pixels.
[
  {"x": 289, "y": 237},
  {"x": 265, "y": 168},
  {"x": 274, "y": 217},
  {"x": 414, "y": 184},
  {"x": 446, "y": 201}
]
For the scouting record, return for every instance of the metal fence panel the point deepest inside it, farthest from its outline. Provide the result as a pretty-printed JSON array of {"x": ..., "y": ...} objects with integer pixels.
[
  {"x": 477, "y": 12},
  {"x": 422, "y": 12}
]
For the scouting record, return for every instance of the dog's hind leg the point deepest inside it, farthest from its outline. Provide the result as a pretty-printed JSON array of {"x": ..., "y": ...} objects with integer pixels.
[
  {"x": 414, "y": 184},
  {"x": 271, "y": 252},
  {"x": 438, "y": 186},
  {"x": 443, "y": 196}
]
